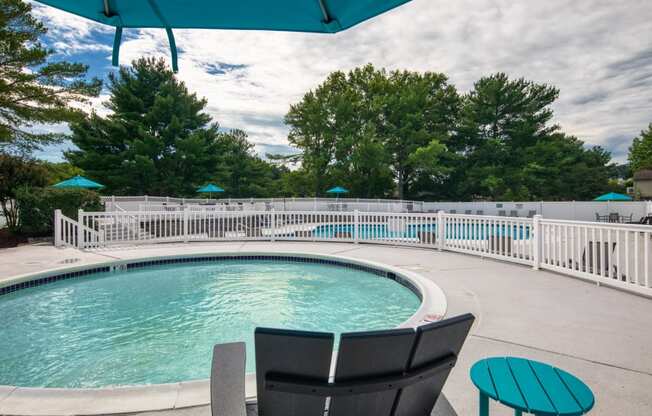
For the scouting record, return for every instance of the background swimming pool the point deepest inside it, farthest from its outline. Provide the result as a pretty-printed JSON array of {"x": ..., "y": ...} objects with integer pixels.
[
  {"x": 158, "y": 324},
  {"x": 454, "y": 231}
]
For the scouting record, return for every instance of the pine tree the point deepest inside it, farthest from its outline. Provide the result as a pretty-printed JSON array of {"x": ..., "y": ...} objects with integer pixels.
[
  {"x": 34, "y": 91},
  {"x": 156, "y": 140}
]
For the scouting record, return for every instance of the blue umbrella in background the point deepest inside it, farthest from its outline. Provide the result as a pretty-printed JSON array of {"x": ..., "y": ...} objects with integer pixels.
[
  {"x": 319, "y": 16},
  {"x": 78, "y": 182},
  {"x": 210, "y": 189},
  {"x": 613, "y": 196}
]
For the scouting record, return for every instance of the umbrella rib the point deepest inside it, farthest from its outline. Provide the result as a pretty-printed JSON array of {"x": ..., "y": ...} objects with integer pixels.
[
  {"x": 168, "y": 29},
  {"x": 324, "y": 11}
]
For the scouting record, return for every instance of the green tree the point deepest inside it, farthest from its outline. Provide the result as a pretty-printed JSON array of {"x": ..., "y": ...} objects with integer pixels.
[
  {"x": 157, "y": 140},
  {"x": 640, "y": 152},
  {"x": 34, "y": 91},
  {"x": 17, "y": 172},
  {"x": 57, "y": 172},
  {"x": 416, "y": 111},
  {"x": 363, "y": 129},
  {"x": 509, "y": 149},
  {"x": 318, "y": 122},
  {"x": 240, "y": 170}
]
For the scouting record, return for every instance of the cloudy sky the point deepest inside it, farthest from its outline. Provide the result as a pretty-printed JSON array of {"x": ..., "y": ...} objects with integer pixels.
[{"x": 598, "y": 52}]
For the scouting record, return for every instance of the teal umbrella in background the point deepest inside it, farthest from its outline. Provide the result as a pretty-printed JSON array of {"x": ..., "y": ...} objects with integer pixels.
[
  {"x": 210, "y": 189},
  {"x": 78, "y": 182},
  {"x": 613, "y": 196},
  {"x": 319, "y": 16},
  {"x": 337, "y": 190}
]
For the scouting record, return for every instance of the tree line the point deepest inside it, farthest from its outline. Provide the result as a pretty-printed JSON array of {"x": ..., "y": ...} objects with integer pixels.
[
  {"x": 381, "y": 134},
  {"x": 414, "y": 135}
]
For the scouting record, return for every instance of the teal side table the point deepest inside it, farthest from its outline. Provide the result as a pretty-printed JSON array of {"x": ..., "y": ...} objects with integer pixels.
[{"x": 530, "y": 387}]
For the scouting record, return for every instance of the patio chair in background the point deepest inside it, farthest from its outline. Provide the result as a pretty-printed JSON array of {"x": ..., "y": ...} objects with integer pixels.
[
  {"x": 531, "y": 213},
  {"x": 468, "y": 212},
  {"x": 452, "y": 211},
  {"x": 479, "y": 212},
  {"x": 601, "y": 259},
  {"x": 395, "y": 372},
  {"x": 502, "y": 213},
  {"x": 647, "y": 220},
  {"x": 614, "y": 217},
  {"x": 513, "y": 213}
]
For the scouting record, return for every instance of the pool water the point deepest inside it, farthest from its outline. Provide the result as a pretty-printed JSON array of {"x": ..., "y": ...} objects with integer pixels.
[
  {"x": 453, "y": 231},
  {"x": 158, "y": 324}
]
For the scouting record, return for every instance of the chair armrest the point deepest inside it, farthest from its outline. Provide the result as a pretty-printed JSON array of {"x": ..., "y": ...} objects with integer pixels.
[{"x": 228, "y": 380}]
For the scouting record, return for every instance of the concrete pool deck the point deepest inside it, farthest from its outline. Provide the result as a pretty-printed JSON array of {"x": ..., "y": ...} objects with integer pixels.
[{"x": 599, "y": 334}]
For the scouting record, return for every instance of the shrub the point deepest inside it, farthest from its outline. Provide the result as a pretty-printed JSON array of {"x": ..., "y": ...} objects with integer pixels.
[
  {"x": 36, "y": 207},
  {"x": 17, "y": 172}
]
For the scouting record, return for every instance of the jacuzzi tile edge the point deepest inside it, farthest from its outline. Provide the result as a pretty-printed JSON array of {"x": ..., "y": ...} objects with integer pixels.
[{"x": 129, "y": 399}]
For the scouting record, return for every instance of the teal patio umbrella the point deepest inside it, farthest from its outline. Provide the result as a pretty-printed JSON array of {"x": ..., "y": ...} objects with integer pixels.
[
  {"x": 318, "y": 16},
  {"x": 78, "y": 182},
  {"x": 337, "y": 190},
  {"x": 613, "y": 196},
  {"x": 210, "y": 189}
]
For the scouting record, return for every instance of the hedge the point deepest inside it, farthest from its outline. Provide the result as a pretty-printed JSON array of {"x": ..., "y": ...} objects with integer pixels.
[{"x": 36, "y": 207}]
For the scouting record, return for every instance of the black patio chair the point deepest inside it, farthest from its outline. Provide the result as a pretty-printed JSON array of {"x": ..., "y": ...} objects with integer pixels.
[{"x": 380, "y": 373}]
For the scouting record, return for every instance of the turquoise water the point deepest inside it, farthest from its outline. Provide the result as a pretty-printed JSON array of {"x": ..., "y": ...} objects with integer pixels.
[
  {"x": 158, "y": 324},
  {"x": 458, "y": 231}
]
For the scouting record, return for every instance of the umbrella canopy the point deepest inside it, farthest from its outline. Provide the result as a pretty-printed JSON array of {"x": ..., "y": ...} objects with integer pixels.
[
  {"x": 78, "y": 182},
  {"x": 321, "y": 16},
  {"x": 337, "y": 190},
  {"x": 209, "y": 189},
  {"x": 613, "y": 196}
]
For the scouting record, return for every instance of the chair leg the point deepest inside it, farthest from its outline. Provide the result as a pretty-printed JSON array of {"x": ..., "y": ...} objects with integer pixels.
[
  {"x": 518, "y": 412},
  {"x": 484, "y": 404}
]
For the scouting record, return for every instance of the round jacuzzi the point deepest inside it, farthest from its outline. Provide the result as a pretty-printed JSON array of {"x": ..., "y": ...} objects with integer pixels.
[{"x": 155, "y": 321}]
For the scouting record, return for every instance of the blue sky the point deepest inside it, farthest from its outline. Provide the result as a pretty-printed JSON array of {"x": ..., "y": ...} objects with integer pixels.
[{"x": 597, "y": 52}]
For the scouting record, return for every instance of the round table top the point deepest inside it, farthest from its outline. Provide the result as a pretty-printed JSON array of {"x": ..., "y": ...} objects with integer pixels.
[{"x": 532, "y": 386}]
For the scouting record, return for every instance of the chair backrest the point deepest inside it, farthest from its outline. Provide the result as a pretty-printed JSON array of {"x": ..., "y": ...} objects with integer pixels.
[
  {"x": 293, "y": 353},
  {"x": 384, "y": 373}
]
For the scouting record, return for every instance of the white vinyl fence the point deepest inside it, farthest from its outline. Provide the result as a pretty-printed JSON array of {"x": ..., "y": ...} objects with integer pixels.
[
  {"x": 566, "y": 210},
  {"x": 611, "y": 254}
]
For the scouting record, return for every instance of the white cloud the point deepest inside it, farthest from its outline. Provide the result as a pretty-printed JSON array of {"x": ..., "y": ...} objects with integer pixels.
[{"x": 596, "y": 51}]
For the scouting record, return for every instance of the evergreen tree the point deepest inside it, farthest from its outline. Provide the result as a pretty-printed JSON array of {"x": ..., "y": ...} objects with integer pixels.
[
  {"x": 34, "y": 91},
  {"x": 509, "y": 149},
  {"x": 240, "y": 171},
  {"x": 156, "y": 140}
]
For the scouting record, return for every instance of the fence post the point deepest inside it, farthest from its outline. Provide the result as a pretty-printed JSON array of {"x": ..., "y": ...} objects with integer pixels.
[
  {"x": 536, "y": 241},
  {"x": 441, "y": 230},
  {"x": 273, "y": 224},
  {"x": 356, "y": 224},
  {"x": 80, "y": 229},
  {"x": 185, "y": 224},
  {"x": 112, "y": 202},
  {"x": 57, "y": 228}
]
